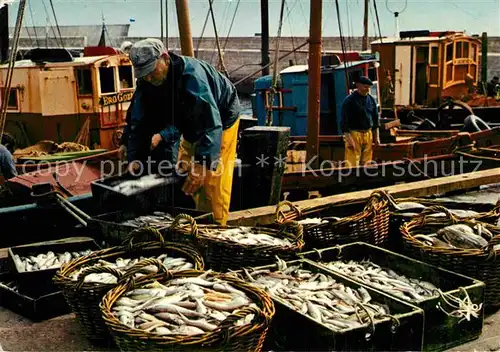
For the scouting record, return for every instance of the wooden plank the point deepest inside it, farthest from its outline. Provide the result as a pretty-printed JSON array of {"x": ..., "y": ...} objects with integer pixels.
[{"x": 265, "y": 215}]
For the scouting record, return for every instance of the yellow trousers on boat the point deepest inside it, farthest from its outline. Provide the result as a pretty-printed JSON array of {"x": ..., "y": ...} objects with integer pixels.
[
  {"x": 215, "y": 195},
  {"x": 362, "y": 152}
]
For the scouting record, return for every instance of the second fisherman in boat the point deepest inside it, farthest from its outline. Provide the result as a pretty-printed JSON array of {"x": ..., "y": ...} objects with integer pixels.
[
  {"x": 203, "y": 105},
  {"x": 7, "y": 165},
  {"x": 360, "y": 123}
]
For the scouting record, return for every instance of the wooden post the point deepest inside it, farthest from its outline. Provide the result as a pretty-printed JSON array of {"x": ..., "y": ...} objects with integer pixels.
[
  {"x": 184, "y": 27},
  {"x": 314, "y": 93},
  {"x": 264, "y": 36},
  {"x": 484, "y": 58},
  {"x": 365, "y": 25},
  {"x": 263, "y": 149},
  {"x": 4, "y": 34}
]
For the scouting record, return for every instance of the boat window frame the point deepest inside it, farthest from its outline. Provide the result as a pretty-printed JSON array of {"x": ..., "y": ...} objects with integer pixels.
[
  {"x": 132, "y": 78},
  {"x": 10, "y": 108},
  {"x": 86, "y": 95},
  {"x": 434, "y": 65}
]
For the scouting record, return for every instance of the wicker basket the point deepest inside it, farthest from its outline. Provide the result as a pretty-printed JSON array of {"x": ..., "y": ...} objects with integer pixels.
[
  {"x": 222, "y": 255},
  {"x": 371, "y": 225},
  {"x": 488, "y": 213},
  {"x": 226, "y": 337},
  {"x": 480, "y": 264},
  {"x": 84, "y": 298}
]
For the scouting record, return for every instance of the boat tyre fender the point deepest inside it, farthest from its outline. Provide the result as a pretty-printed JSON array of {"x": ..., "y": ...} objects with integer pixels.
[{"x": 472, "y": 123}]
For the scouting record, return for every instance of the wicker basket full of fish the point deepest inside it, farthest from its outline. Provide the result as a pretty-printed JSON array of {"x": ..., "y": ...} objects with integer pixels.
[
  {"x": 86, "y": 280},
  {"x": 234, "y": 247},
  {"x": 326, "y": 225},
  {"x": 465, "y": 246},
  {"x": 405, "y": 210},
  {"x": 188, "y": 311}
]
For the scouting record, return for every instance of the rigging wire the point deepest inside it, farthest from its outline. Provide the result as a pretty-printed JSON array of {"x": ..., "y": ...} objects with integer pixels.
[
  {"x": 342, "y": 44},
  {"x": 221, "y": 25},
  {"x": 231, "y": 26},
  {"x": 291, "y": 31},
  {"x": 49, "y": 24},
  {"x": 57, "y": 24},
  {"x": 203, "y": 29},
  {"x": 221, "y": 59},
  {"x": 349, "y": 25},
  {"x": 10, "y": 69},
  {"x": 33, "y": 23}
]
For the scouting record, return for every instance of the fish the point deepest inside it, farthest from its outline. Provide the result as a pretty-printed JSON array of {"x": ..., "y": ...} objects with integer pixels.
[
  {"x": 130, "y": 187},
  {"x": 462, "y": 236},
  {"x": 384, "y": 279},
  {"x": 124, "y": 264},
  {"x": 318, "y": 296},
  {"x": 157, "y": 219},
  {"x": 247, "y": 236},
  {"x": 44, "y": 261},
  {"x": 409, "y": 206},
  {"x": 172, "y": 310}
]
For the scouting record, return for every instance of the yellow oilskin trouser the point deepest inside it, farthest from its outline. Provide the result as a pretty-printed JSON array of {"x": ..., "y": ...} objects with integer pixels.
[
  {"x": 215, "y": 195},
  {"x": 362, "y": 152}
]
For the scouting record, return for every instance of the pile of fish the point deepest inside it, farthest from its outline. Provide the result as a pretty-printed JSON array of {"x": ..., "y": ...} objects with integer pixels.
[
  {"x": 122, "y": 265},
  {"x": 411, "y": 209},
  {"x": 48, "y": 260},
  {"x": 319, "y": 296},
  {"x": 157, "y": 219},
  {"x": 248, "y": 236},
  {"x": 385, "y": 279},
  {"x": 184, "y": 306},
  {"x": 132, "y": 186},
  {"x": 317, "y": 221},
  {"x": 458, "y": 236}
]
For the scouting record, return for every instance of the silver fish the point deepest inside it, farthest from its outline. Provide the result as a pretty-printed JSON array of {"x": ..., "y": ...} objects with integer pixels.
[
  {"x": 44, "y": 261},
  {"x": 248, "y": 236},
  {"x": 462, "y": 236}
]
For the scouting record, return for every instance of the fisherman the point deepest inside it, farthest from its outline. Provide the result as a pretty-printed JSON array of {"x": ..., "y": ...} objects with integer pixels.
[
  {"x": 203, "y": 105},
  {"x": 7, "y": 165},
  {"x": 492, "y": 87},
  {"x": 360, "y": 123}
]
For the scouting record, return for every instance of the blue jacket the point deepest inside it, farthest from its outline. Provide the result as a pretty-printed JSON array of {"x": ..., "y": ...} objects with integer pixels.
[
  {"x": 359, "y": 113},
  {"x": 7, "y": 166},
  {"x": 195, "y": 100}
]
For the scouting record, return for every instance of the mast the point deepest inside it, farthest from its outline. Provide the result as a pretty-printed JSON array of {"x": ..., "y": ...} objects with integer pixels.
[
  {"x": 166, "y": 24},
  {"x": 184, "y": 27},
  {"x": 264, "y": 36},
  {"x": 314, "y": 81},
  {"x": 161, "y": 20},
  {"x": 365, "y": 25},
  {"x": 4, "y": 33}
]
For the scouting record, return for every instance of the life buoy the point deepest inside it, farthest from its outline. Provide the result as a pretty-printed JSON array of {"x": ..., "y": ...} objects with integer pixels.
[{"x": 472, "y": 123}]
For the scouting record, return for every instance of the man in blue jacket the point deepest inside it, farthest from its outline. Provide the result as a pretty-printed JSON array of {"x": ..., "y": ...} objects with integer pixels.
[{"x": 189, "y": 96}]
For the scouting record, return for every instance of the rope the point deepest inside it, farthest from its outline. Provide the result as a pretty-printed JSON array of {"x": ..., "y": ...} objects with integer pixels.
[
  {"x": 221, "y": 59},
  {"x": 203, "y": 29},
  {"x": 10, "y": 70},
  {"x": 231, "y": 26},
  {"x": 342, "y": 44},
  {"x": 51, "y": 27},
  {"x": 464, "y": 308},
  {"x": 269, "y": 120},
  {"x": 57, "y": 24},
  {"x": 33, "y": 23}
]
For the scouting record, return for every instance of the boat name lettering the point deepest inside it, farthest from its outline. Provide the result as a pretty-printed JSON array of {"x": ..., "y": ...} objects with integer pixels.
[{"x": 116, "y": 98}]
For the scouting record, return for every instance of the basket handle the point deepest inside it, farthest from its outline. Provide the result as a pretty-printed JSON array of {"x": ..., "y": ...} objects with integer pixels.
[
  {"x": 280, "y": 215},
  {"x": 96, "y": 270},
  {"x": 228, "y": 323},
  {"x": 141, "y": 231},
  {"x": 295, "y": 228},
  {"x": 139, "y": 268},
  {"x": 176, "y": 224},
  {"x": 437, "y": 209}
]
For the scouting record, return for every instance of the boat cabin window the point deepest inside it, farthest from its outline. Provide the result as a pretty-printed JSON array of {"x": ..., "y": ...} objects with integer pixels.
[
  {"x": 13, "y": 102},
  {"x": 126, "y": 78},
  {"x": 107, "y": 79},
  {"x": 462, "y": 62},
  {"x": 84, "y": 81},
  {"x": 434, "y": 55}
]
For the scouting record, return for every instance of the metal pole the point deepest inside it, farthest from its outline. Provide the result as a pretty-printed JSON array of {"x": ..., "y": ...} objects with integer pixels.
[
  {"x": 484, "y": 57},
  {"x": 264, "y": 36},
  {"x": 184, "y": 27},
  {"x": 365, "y": 25},
  {"x": 314, "y": 82},
  {"x": 161, "y": 19},
  {"x": 166, "y": 24},
  {"x": 4, "y": 34}
]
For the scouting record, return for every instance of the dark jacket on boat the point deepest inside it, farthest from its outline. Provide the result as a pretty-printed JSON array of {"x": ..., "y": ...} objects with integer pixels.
[
  {"x": 359, "y": 113},
  {"x": 195, "y": 100},
  {"x": 7, "y": 166}
]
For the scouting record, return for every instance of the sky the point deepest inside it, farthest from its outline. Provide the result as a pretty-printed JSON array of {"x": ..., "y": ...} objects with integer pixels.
[{"x": 473, "y": 16}]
